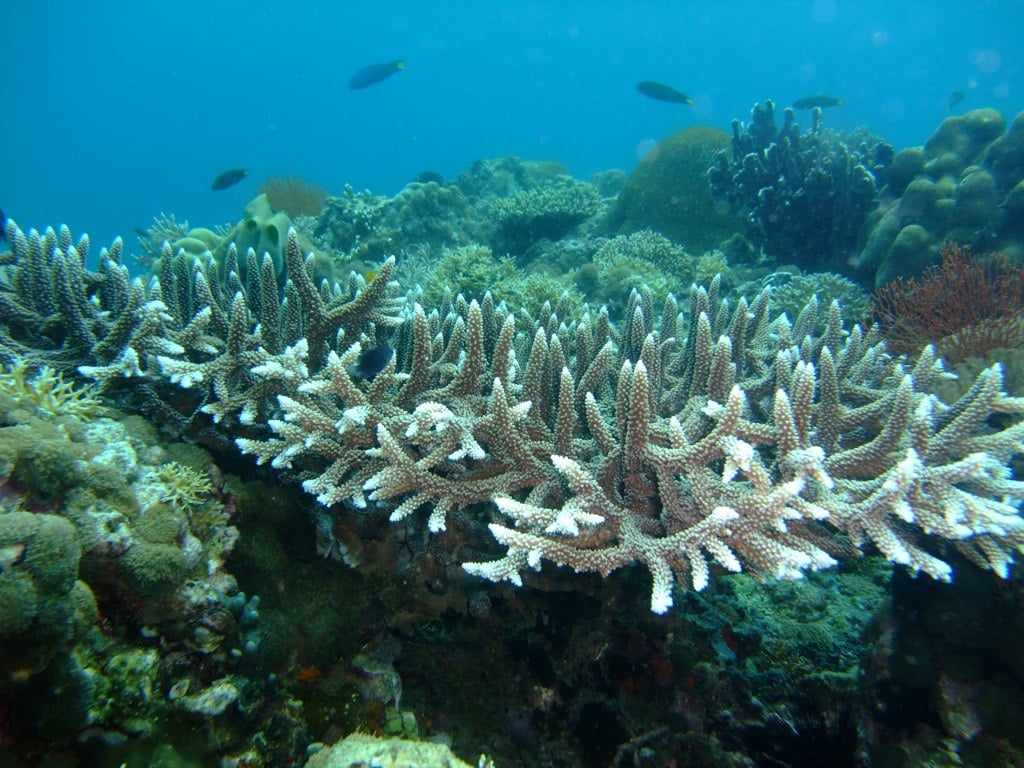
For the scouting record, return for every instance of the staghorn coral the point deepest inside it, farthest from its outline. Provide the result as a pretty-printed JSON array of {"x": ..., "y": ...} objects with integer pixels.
[
  {"x": 677, "y": 451},
  {"x": 56, "y": 312}
]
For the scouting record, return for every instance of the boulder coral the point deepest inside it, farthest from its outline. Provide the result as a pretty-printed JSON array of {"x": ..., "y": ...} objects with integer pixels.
[
  {"x": 966, "y": 184},
  {"x": 668, "y": 192}
]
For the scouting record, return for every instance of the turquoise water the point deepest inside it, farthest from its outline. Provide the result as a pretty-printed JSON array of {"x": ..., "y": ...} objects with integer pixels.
[
  {"x": 114, "y": 112},
  {"x": 223, "y": 545}
]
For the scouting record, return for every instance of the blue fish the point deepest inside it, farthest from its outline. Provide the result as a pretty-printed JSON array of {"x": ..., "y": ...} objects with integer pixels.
[
  {"x": 371, "y": 362},
  {"x": 3, "y": 226},
  {"x": 374, "y": 73}
]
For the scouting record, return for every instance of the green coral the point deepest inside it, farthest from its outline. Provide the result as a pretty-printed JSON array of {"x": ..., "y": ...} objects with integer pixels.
[
  {"x": 184, "y": 487},
  {"x": 539, "y": 293},
  {"x": 962, "y": 185},
  {"x": 792, "y": 292},
  {"x": 547, "y": 212},
  {"x": 153, "y": 569},
  {"x": 47, "y": 391},
  {"x": 471, "y": 270},
  {"x": 39, "y": 557},
  {"x": 668, "y": 192},
  {"x": 43, "y": 458},
  {"x": 430, "y": 215},
  {"x": 350, "y": 222},
  {"x": 626, "y": 262},
  {"x": 711, "y": 265}
]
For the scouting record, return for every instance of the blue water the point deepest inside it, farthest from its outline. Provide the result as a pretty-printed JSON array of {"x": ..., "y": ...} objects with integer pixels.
[{"x": 114, "y": 111}]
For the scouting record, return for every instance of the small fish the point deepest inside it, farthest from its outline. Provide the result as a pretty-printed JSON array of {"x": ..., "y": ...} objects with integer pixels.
[
  {"x": 955, "y": 98},
  {"x": 374, "y": 73},
  {"x": 429, "y": 176},
  {"x": 143, "y": 234},
  {"x": 371, "y": 362},
  {"x": 3, "y": 226},
  {"x": 228, "y": 179},
  {"x": 662, "y": 92},
  {"x": 817, "y": 101}
]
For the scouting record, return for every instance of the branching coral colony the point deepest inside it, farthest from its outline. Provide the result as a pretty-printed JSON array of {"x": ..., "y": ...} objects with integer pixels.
[{"x": 712, "y": 436}]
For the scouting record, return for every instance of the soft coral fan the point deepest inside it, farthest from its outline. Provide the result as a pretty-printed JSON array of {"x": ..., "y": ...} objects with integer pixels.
[{"x": 763, "y": 450}]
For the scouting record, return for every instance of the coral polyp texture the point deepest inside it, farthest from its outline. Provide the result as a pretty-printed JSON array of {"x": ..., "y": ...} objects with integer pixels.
[
  {"x": 966, "y": 184},
  {"x": 715, "y": 437},
  {"x": 742, "y": 442}
]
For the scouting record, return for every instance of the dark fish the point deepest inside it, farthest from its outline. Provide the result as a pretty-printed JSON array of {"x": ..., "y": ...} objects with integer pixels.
[
  {"x": 228, "y": 179},
  {"x": 3, "y": 226},
  {"x": 662, "y": 92},
  {"x": 430, "y": 176},
  {"x": 143, "y": 234},
  {"x": 817, "y": 101},
  {"x": 374, "y": 73},
  {"x": 955, "y": 98},
  {"x": 371, "y": 362}
]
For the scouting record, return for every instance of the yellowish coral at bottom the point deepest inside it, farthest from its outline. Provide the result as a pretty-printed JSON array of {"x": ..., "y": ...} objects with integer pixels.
[{"x": 364, "y": 750}]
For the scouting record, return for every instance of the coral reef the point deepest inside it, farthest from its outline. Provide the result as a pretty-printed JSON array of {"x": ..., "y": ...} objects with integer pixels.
[
  {"x": 156, "y": 610},
  {"x": 349, "y": 222},
  {"x": 791, "y": 292},
  {"x": 506, "y": 177},
  {"x": 600, "y": 487},
  {"x": 667, "y": 192},
  {"x": 550, "y": 212},
  {"x": 359, "y": 750},
  {"x": 965, "y": 307},
  {"x": 98, "y": 528},
  {"x": 966, "y": 184},
  {"x": 431, "y": 216},
  {"x": 426, "y": 216},
  {"x": 294, "y": 196},
  {"x": 645, "y": 258},
  {"x": 804, "y": 196}
]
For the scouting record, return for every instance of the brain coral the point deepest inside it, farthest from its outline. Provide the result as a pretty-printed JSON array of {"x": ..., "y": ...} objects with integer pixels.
[{"x": 668, "y": 192}]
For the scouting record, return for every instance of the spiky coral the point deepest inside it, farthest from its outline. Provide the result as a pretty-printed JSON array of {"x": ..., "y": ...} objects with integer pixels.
[
  {"x": 749, "y": 452},
  {"x": 47, "y": 391}
]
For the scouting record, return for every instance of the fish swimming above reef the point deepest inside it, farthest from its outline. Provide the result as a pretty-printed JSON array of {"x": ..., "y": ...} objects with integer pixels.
[
  {"x": 374, "y": 73},
  {"x": 371, "y": 362},
  {"x": 228, "y": 179},
  {"x": 661, "y": 92},
  {"x": 817, "y": 101},
  {"x": 3, "y": 226},
  {"x": 955, "y": 98},
  {"x": 429, "y": 176}
]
